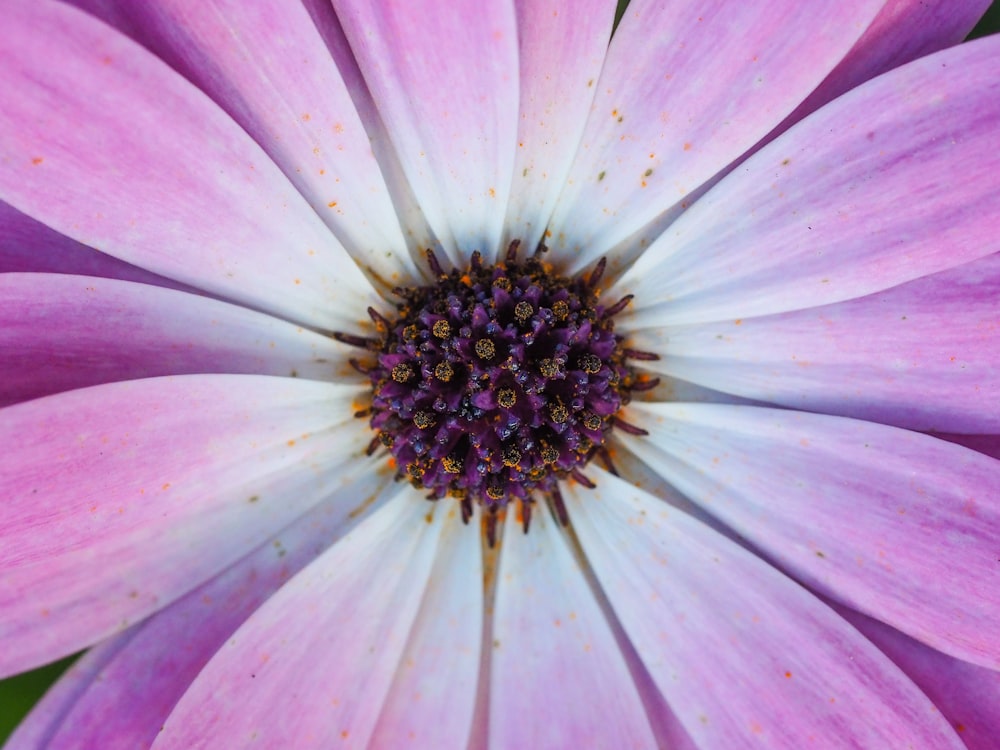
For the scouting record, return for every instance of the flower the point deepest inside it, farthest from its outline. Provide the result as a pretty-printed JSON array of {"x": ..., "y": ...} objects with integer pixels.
[{"x": 204, "y": 199}]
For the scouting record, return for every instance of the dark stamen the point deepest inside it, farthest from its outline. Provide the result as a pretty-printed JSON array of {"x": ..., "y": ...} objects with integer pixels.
[
  {"x": 351, "y": 340},
  {"x": 618, "y": 306},
  {"x": 597, "y": 273},
  {"x": 434, "y": 263},
  {"x": 624, "y": 426},
  {"x": 638, "y": 354}
]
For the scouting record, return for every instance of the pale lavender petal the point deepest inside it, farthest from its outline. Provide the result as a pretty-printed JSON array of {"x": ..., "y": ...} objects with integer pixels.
[
  {"x": 557, "y": 678},
  {"x": 445, "y": 79},
  {"x": 29, "y": 245},
  {"x": 60, "y": 332},
  {"x": 562, "y": 46},
  {"x": 37, "y": 728},
  {"x": 889, "y": 183},
  {"x": 988, "y": 444},
  {"x": 202, "y": 620},
  {"x": 923, "y": 355},
  {"x": 120, "y": 498},
  {"x": 902, "y": 31},
  {"x": 875, "y": 517},
  {"x": 686, "y": 89},
  {"x": 969, "y": 696},
  {"x": 268, "y": 66},
  {"x": 432, "y": 698},
  {"x": 313, "y": 665},
  {"x": 106, "y": 144},
  {"x": 744, "y": 656}
]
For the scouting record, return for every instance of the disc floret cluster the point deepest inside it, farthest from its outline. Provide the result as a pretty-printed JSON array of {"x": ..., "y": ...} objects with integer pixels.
[{"x": 496, "y": 381}]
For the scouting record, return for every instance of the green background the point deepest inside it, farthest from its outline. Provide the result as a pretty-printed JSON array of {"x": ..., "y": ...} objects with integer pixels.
[{"x": 18, "y": 694}]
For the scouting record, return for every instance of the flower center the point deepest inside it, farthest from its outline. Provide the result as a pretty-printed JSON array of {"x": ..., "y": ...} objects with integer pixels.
[{"x": 497, "y": 381}]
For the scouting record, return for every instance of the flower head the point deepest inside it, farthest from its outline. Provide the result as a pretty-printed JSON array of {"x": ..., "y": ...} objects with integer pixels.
[{"x": 443, "y": 374}]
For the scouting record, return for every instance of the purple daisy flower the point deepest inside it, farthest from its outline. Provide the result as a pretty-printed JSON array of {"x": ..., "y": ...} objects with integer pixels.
[{"x": 441, "y": 375}]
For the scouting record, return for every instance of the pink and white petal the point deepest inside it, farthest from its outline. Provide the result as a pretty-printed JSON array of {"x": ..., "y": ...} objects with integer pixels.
[
  {"x": 432, "y": 698},
  {"x": 60, "y": 332},
  {"x": 743, "y": 655},
  {"x": 889, "y": 183},
  {"x": 968, "y": 695},
  {"x": 924, "y": 355},
  {"x": 122, "y": 497},
  {"x": 202, "y": 621},
  {"x": 106, "y": 144},
  {"x": 868, "y": 515},
  {"x": 988, "y": 444},
  {"x": 36, "y": 730},
  {"x": 313, "y": 665},
  {"x": 29, "y": 245},
  {"x": 267, "y": 65},
  {"x": 445, "y": 79},
  {"x": 562, "y": 46},
  {"x": 686, "y": 89},
  {"x": 555, "y": 659},
  {"x": 903, "y": 30}
]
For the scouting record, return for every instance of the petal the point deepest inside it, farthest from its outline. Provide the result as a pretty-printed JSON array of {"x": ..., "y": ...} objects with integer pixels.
[
  {"x": 968, "y": 695},
  {"x": 874, "y": 517},
  {"x": 554, "y": 655},
  {"x": 104, "y": 143},
  {"x": 445, "y": 79},
  {"x": 686, "y": 89},
  {"x": 904, "y": 30},
  {"x": 924, "y": 355},
  {"x": 562, "y": 46},
  {"x": 290, "y": 97},
  {"x": 313, "y": 665},
  {"x": 988, "y": 444},
  {"x": 432, "y": 698},
  {"x": 892, "y": 182},
  {"x": 36, "y": 729},
  {"x": 122, "y": 497},
  {"x": 744, "y": 656},
  {"x": 175, "y": 643},
  {"x": 29, "y": 245},
  {"x": 61, "y": 332}
]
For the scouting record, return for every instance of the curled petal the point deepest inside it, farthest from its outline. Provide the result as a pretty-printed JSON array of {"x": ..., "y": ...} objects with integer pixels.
[
  {"x": 61, "y": 332},
  {"x": 924, "y": 355}
]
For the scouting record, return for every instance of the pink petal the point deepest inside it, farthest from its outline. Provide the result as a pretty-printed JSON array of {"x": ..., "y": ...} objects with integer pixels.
[
  {"x": 562, "y": 46},
  {"x": 314, "y": 664},
  {"x": 686, "y": 89},
  {"x": 122, "y": 497},
  {"x": 988, "y": 444},
  {"x": 968, "y": 695},
  {"x": 904, "y": 30},
  {"x": 266, "y": 64},
  {"x": 36, "y": 729},
  {"x": 554, "y": 658},
  {"x": 104, "y": 143},
  {"x": 445, "y": 79},
  {"x": 890, "y": 183},
  {"x": 923, "y": 355},
  {"x": 744, "y": 656},
  {"x": 61, "y": 332},
  {"x": 432, "y": 698},
  {"x": 29, "y": 245},
  {"x": 872, "y": 516},
  {"x": 175, "y": 643}
]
